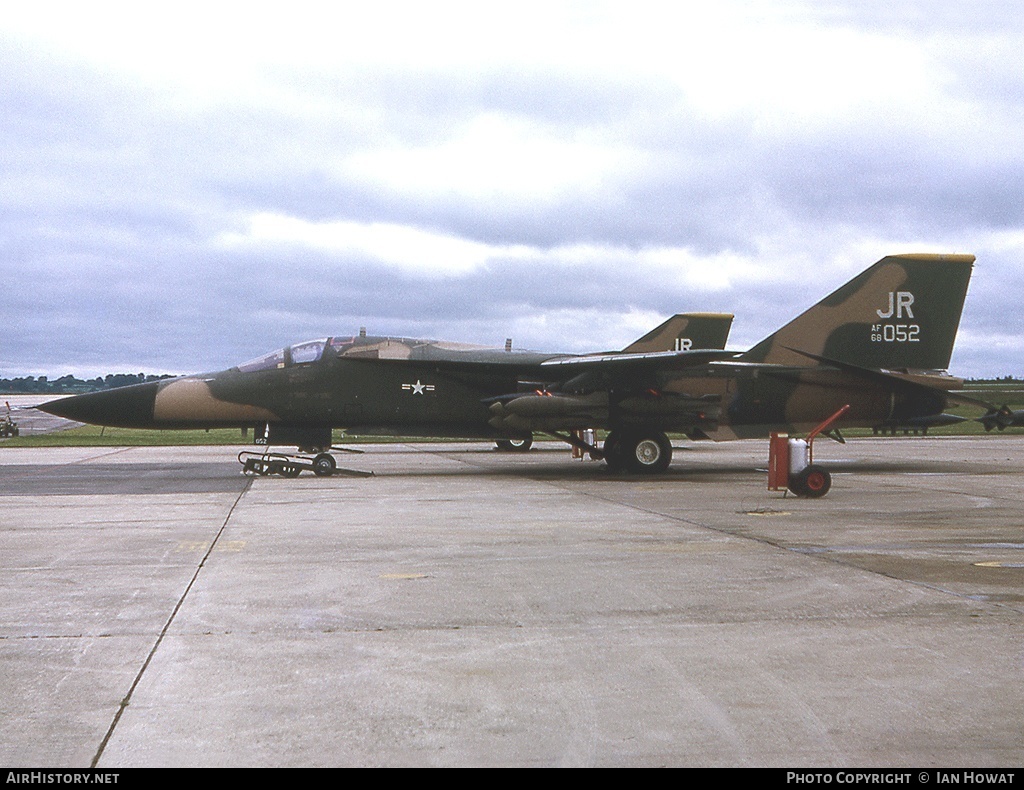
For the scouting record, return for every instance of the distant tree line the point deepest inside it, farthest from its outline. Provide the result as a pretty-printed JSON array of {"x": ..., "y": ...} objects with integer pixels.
[
  {"x": 999, "y": 380},
  {"x": 70, "y": 385}
]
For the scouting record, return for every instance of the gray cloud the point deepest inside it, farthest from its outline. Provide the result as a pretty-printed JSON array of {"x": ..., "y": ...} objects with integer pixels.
[{"x": 119, "y": 191}]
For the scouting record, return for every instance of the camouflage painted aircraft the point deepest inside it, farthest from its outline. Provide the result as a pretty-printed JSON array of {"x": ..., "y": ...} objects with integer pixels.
[{"x": 880, "y": 343}]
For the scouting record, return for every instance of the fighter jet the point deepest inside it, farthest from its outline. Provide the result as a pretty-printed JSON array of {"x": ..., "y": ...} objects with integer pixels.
[{"x": 880, "y": 343}]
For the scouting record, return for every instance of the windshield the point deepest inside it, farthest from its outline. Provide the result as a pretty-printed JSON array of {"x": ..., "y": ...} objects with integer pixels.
[
  {"x": 275, "y": 359},
  {"x": 310, "y": 351},
  {"x": 299, "y": 354}
]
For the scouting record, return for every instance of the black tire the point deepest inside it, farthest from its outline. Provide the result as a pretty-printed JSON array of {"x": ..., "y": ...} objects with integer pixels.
[
  {"x": 324, "y": 465},
  {"x": 612, "y": 450},
  {"x": 520, "y": 445},
  {"x": 813, "y": 482},
  {"x": 646, "y": 452}
]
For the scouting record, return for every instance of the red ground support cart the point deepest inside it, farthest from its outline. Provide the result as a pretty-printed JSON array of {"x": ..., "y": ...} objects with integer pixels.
[{"x": 791, "y": 462}]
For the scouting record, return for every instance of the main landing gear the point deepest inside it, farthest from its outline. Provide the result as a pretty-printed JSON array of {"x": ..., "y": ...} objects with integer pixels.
[
  {"x": 638, "y": 451},
  {"x": 642, "y": 451},
  {"x": 520, "y": 445}
]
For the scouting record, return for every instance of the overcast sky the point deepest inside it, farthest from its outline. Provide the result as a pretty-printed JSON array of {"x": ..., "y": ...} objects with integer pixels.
[{"x": 185, "y": 186}]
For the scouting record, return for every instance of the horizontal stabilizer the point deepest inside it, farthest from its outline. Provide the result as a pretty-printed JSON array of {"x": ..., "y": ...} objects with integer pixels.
[{"x": 897, "y": 380}]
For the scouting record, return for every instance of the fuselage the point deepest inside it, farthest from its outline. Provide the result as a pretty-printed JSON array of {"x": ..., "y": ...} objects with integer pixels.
[{"x": 402, "y": 386}]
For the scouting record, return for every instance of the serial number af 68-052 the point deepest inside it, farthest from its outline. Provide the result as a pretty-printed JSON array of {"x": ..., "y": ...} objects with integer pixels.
[{"x": 895, "y": 333}]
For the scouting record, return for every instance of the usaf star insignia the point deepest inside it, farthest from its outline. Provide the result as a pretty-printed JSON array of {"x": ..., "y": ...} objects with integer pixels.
[{"x": 418, "y": 388}]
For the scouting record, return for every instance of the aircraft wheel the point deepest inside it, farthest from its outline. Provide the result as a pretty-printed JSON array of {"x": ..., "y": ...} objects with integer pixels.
[
  {"x": 515, "y": 445},
  {"x": 612, "y": 450},
  {"x": 324, "y": 465},
  {"x": 647, "y": 453},
  {"x": 811, "y": 483}
]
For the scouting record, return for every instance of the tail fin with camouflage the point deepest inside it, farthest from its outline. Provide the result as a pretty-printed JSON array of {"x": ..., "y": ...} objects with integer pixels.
[
  {"x": 901, "y": 314},
  {"x": 685, "y": 332}
]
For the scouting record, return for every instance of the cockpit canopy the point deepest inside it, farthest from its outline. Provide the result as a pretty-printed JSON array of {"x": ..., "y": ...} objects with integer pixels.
[{"x": 299, "y": 354}]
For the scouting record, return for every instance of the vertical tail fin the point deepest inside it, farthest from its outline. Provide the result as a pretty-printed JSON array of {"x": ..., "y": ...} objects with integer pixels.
[
  {"x": 685, "y": 331},
  {"x": 902, "y": 313}
]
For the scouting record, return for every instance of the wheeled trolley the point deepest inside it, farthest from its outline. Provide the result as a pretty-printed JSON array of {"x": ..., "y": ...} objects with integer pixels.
[
  {"x": 8, "y": 427},
  {"x": 285, "y": 465},
  {"x": 791, "y": 462}
]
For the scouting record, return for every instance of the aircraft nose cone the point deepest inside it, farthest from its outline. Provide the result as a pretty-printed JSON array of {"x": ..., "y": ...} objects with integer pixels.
[{"x": 123, "y": 407}]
